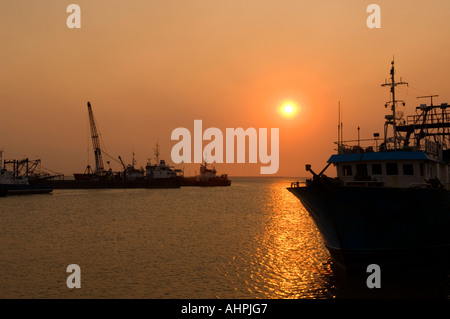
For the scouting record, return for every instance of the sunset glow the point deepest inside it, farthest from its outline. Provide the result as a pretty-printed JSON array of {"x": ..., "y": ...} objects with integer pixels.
[{"x": 151, "y": 67}]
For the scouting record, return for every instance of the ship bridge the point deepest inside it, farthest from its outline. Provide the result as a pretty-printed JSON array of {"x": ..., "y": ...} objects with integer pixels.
[{"x": 390, "y": 169}]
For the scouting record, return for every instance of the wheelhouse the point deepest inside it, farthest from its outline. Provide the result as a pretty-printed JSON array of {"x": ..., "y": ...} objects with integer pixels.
[{"x": 390, "y": 169}]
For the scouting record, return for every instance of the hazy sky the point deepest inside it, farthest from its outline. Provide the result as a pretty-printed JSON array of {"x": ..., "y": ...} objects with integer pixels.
[{"x": 148, "y": 67}]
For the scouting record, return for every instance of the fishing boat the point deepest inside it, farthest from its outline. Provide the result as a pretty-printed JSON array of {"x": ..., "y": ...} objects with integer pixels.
[
  {"x": 20, "y": 177},
  {"x": 390, "y": 202}
]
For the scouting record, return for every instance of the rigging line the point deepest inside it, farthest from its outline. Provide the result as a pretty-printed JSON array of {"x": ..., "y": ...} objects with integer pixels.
[
  {"x": 48, "y": 169},
  {"x": 99, "y": 132},
  {"x": 408, "y": 93},
  {"x": 426, "y": 92},
  {"x": 111, "y": 157},
  {"x": 102, "y": 143}
]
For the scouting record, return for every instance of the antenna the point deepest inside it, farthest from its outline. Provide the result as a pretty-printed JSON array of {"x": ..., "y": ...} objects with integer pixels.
[
  {"x": 359, "y": 140},
  {"x": 339, "y": 125},
  {"x": 340, "y": 130},
  {"x": 393, "y": 84},
  {"x": 156, "y": 149},
  {"x": 428, "y": 96}
]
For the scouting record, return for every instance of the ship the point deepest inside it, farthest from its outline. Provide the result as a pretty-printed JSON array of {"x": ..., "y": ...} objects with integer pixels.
[
  {"x": 160, "y": 170},
  {"x": 158, "y": 175},
  {"x": 390, "y": 202},
  {"x": 207, "y": 177},
  {"x": 23, "y": 177}
]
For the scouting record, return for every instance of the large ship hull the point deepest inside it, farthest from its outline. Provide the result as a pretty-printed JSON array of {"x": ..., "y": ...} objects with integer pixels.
[
  {"x": 386, "y": 226},
  {"x": 25, "y": 189},
  {"x": 104, "y": 184}
]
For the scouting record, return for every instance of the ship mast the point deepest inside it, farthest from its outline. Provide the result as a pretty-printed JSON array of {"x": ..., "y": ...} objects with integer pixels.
[
  {"x": 156, "y": 150},
  {"x": 393, "y": 84}
]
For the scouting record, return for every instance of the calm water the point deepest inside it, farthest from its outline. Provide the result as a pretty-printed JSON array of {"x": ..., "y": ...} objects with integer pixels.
[{"x": 250, "y": 240}]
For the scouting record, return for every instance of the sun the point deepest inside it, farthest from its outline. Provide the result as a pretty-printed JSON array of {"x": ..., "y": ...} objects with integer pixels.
[{"x": 288, "y": 109}]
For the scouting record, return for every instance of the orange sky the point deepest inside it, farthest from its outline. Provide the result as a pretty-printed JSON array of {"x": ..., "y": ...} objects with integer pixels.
[{"x": 149, "y": 67}]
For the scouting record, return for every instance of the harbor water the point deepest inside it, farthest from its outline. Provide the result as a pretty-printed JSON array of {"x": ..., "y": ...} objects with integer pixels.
[{"x": 251, "y": 240}]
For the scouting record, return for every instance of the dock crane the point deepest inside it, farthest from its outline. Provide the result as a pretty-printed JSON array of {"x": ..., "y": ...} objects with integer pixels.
[{"x": 99, "y": 168}]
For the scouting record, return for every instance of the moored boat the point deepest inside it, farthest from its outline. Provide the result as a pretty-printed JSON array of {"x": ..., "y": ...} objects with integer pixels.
[
  {"x": 207, "y": 177},
  {"x": 19, "y": 177}
]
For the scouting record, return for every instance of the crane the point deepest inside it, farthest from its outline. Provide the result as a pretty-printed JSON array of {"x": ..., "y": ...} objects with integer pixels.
[
  {"x": 123, "y": 165},
  {"x": 99, "y": 168}
]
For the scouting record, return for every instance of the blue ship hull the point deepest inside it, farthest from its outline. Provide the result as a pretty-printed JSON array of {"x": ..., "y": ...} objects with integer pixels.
[{"x": 386, "y": 226}]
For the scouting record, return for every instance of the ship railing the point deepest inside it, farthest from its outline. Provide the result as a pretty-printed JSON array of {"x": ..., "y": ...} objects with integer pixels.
[
  {"x": 377, "y": 145},
  {"x": 359, "y": 146},
  {"x": 432, "y": 118},
  {"x": 297, "y": 184}
]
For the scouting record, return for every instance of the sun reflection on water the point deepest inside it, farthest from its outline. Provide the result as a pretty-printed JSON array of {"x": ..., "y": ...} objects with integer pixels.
[{"x": 287, "y": 259}]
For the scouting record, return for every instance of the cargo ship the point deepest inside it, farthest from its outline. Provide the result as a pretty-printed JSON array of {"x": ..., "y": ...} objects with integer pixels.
[
  {"x": 207, "y": 177},
  {"x": 390, "y": 203},
  {"x": 158, "y": 175}
]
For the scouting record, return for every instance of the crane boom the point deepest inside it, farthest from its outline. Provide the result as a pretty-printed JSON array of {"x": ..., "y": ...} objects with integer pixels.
[
  {"x": 99, "y": 168},
  {"x": 124, "y": 167}
]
